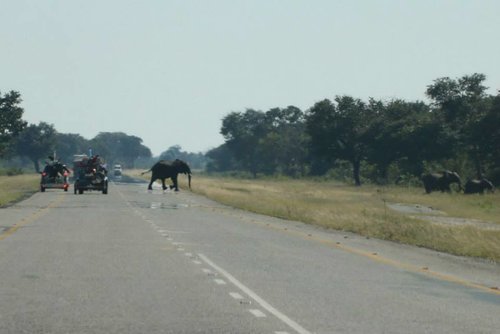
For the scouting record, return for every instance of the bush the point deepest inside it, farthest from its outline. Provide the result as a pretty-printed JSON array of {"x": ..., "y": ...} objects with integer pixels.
[{"x": 11, "y": 171}]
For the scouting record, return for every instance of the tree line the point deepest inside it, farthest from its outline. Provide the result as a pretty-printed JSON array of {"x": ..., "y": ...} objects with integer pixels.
[
  {"x": 375, "y": 140},
  {"x": 35, "y": 142}
]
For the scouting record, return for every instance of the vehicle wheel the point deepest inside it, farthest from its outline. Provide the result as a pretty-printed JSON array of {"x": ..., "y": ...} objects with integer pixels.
[
  {"x": 42, "y": 189},
  {"x": 105, "y": 189},
  {"x": 80, "y": 191}
]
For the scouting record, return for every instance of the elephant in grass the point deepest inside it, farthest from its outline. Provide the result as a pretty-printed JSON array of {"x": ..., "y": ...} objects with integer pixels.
[
  {"x": 478, "y": 186},
  {"x": 164, "y": 169},
  {"x": 440, "y": 181}
]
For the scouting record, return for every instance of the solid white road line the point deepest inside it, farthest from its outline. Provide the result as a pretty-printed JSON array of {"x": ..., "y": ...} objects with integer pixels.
[
  {"x": 220, "y": 281},
  {"x": 265, "y": 305}
]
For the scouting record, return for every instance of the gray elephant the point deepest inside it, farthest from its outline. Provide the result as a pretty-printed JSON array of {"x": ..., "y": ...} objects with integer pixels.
[
  {"x": 440, "y": 181},
  {"x": 478, "y": 186},
  {"x": 164, "y": 169}
]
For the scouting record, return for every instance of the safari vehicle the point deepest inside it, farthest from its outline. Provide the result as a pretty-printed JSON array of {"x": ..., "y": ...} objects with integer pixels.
[
  {"x": 54, "y": 182},
  {"x": 117, "y": 170},
  {"x": 90, "y": 174},
  {"x": 54, "y": 176}
]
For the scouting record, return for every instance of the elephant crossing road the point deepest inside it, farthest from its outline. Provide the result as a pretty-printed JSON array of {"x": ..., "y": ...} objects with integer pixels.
[{"x": 164, "y": 169}]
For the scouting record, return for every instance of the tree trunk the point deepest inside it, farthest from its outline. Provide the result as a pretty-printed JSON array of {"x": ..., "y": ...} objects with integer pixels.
[
  {"x": 355, "y": 172},
  {"x": 477, "y": 163},
  {"x": 37, "y": 165}
]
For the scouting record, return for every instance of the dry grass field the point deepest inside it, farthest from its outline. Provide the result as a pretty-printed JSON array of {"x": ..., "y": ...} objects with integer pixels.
[
  {"x": 365, "y": 210},
  {"x": 15, "y": 188}
]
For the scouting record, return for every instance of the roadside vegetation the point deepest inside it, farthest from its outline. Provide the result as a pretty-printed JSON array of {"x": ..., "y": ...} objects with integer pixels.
[
  {"x": 365, "y": 145},
  {"x": 17, "y": 187},
  {"x": 365, "y": 211}
]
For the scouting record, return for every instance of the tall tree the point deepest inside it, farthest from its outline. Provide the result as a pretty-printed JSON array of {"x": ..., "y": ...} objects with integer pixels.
[
  {"x": 462, "y": 103},
  {"x": 69, "y": 144},
  {"x": 119, "y": 147},
  {"x": 285, "y": 144},
  {"x": 489, "y": 127},
  {"x": 221, "y": 159},
  {"x": 406, "y": 133},
  {"x": 243, "y": 132},
  {"x": 172, "y": 153},
  {"x": 340, "y": 130},
  {"x": 11, "y": 122},
  {"x": 194, "y": 160},
  {"x": 36, "y": 142}
]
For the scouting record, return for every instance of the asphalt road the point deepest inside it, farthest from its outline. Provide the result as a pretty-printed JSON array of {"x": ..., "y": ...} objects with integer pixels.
[{"x": 135, "y": 261}]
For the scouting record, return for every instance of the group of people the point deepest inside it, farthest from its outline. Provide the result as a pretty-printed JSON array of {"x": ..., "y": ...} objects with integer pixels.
[
  {"x": 53, "y": 168},
  {"x": 91, "y": 169}
]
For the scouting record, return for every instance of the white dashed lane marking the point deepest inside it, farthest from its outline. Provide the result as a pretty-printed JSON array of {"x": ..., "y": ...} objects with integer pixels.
[
  {"x": 236, "y": 295},
  {"x": 265, "y": 305},
  {"x": 220, "y": 281},
  {"x": 257, "y": 313}
]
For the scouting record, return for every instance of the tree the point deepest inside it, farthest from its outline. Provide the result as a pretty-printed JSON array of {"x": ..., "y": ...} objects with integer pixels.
[
  {"x": 462, "y": 104},
  {"x": 11, "y": 123},
  {"x": 119, "y": 147},
  {"x": 221, "y": 159},
  {"x": 194, "y": 160},
  {"x": 489, "y": 126},
  {"x": 284, "y": 147},
  {"x": 69, "y": 144},
  {"x": 406, "y": 133},
  {"x": 242, "y": 132},
  {"x": 172, "y": 153},
  {"x": 340, "y": 130},
  {"x": 36, "y": 142}
]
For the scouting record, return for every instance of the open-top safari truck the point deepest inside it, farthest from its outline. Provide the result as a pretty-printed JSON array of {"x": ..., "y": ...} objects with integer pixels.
[
  {"x": 54, "y": 176},
  {"x": 89, "y": 174}
]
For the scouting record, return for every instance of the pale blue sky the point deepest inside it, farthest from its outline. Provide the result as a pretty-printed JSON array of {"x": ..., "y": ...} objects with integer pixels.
[{"x": 169, "y": 71}]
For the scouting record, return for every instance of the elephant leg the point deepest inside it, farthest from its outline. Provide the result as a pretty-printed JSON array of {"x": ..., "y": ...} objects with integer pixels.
[
  {"x": 164, "y": 187},
  {"x": 150, "y": 186},
  {"x": 174, "y": 180},
  {"x": 428, "y": 186}
]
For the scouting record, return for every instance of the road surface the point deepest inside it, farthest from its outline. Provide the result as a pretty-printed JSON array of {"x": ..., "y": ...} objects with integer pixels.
[{"x": 135, "y": 261}]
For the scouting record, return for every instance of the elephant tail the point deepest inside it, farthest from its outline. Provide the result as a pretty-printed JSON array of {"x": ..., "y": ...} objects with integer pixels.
[{"x": 146, "y": 171}]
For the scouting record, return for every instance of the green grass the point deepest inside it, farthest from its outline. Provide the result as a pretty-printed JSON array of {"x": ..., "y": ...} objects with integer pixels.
[{"x": 18, "y": 187}]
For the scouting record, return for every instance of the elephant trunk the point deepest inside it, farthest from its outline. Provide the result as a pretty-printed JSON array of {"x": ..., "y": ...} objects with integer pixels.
[{"x": 189, "y": 180}]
